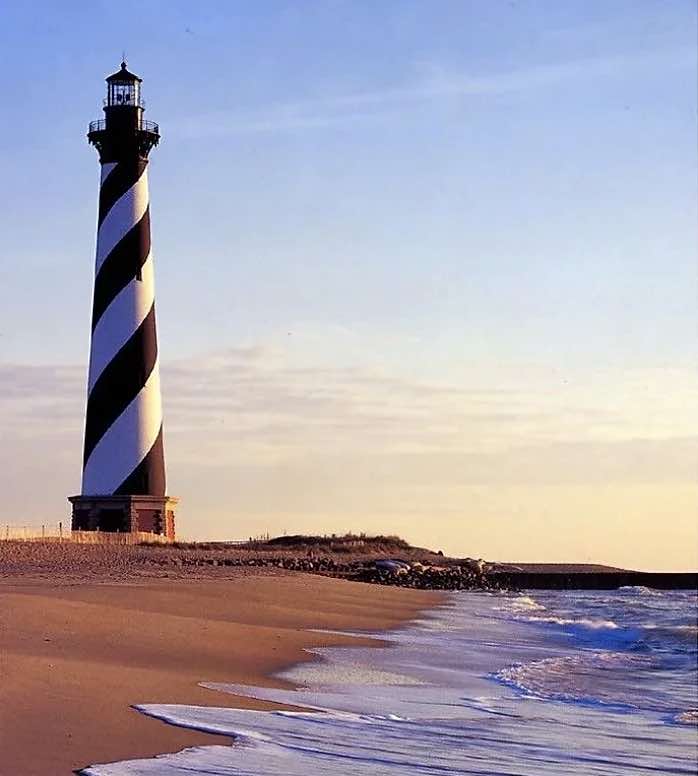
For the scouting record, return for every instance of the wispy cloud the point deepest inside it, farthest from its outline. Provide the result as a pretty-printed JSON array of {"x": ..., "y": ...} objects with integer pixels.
[
  {"x": 255, "y": 404},
  {"x": 433, "y": 83}
]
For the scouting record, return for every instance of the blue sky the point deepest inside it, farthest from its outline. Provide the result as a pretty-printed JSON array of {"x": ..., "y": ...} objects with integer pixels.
[{"x": 417, "y": 264}]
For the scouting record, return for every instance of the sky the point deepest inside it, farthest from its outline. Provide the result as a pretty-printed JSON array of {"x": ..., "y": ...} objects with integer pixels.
[{"x": 422, "y": 268}]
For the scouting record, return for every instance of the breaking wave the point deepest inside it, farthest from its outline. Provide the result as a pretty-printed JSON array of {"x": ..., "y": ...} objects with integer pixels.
[{"x": 488, "y": 686}]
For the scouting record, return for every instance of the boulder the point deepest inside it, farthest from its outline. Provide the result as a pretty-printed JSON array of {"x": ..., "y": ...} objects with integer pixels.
[{"x": 392, "y": 566}]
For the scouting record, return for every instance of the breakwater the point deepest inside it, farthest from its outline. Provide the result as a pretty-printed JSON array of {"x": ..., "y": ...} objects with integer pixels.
[{"x": 596, "y": 580}]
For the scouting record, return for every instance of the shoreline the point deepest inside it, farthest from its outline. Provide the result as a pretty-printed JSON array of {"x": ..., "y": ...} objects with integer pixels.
[
  {"x": 75, "y": 657},
  {"x": 485, "y": 684}
]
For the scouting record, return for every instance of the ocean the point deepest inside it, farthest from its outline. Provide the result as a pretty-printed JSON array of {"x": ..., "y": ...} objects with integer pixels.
[{"x": 595, "y": 683}]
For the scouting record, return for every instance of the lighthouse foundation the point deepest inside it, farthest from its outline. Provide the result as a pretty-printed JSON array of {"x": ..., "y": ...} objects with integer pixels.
[{"x": 125, "y": 514}]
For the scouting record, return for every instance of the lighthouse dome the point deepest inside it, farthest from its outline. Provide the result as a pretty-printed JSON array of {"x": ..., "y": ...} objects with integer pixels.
[{"x": 123, "y": 74}]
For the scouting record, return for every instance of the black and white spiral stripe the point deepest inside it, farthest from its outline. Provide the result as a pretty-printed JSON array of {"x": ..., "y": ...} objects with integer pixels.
[{"x": 123, "y": 452}]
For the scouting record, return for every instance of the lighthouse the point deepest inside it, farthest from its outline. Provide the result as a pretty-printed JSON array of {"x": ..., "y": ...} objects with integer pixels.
[{"x": 123, "y": 467}]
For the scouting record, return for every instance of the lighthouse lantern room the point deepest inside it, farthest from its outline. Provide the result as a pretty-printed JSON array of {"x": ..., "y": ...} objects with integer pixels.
[{"x": 123, "y": 88}]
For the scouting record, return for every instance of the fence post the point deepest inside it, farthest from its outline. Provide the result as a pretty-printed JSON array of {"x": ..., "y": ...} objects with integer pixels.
[
  {"x": 60, "y": 531},
  {"x": 43, "y": 531}
]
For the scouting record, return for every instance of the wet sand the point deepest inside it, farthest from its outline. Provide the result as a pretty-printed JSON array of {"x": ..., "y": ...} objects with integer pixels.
[{"x": 74, "y": 657}]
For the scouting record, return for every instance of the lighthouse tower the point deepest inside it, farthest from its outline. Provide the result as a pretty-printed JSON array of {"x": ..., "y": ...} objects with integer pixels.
[{"x": 123, "y": 476}]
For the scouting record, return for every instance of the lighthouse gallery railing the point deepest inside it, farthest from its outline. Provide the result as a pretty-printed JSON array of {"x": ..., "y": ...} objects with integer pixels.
[{"x": 148, "y": 126}]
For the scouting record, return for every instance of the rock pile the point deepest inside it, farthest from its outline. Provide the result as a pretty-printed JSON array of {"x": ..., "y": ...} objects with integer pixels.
[
  {"x": 467, "y": 575},
  {"x": 312, "y": 565}
]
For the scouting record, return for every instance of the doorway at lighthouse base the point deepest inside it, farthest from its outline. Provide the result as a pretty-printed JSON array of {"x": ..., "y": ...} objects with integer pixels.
[{"x": 125, "y": 514}]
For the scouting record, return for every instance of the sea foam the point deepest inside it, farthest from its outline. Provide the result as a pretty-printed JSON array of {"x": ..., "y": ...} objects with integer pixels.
[{"x": 476, "y": 689}]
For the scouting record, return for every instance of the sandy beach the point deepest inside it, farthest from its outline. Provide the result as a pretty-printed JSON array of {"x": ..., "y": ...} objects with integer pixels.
[{"x": 76, "y": 654}]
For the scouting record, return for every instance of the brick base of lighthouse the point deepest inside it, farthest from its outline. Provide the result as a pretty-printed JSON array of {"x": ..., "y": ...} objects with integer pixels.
[{"x": 125, "y": 514}]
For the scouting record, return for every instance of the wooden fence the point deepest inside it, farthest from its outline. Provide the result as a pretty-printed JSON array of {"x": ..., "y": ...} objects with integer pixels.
[
  {"x": 56, "y": 532},
  {"x": 111, "y": 537},
  {"x": 34, "y": 533}
]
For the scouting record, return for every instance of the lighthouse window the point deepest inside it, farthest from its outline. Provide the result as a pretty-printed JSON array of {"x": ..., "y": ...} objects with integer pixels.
[{"x": 123, "y": 93}]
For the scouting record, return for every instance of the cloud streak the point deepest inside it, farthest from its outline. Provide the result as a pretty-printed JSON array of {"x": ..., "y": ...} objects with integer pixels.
[
  {"x": 253, "y": 404},
  {"x": 332, "y": 111}
]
